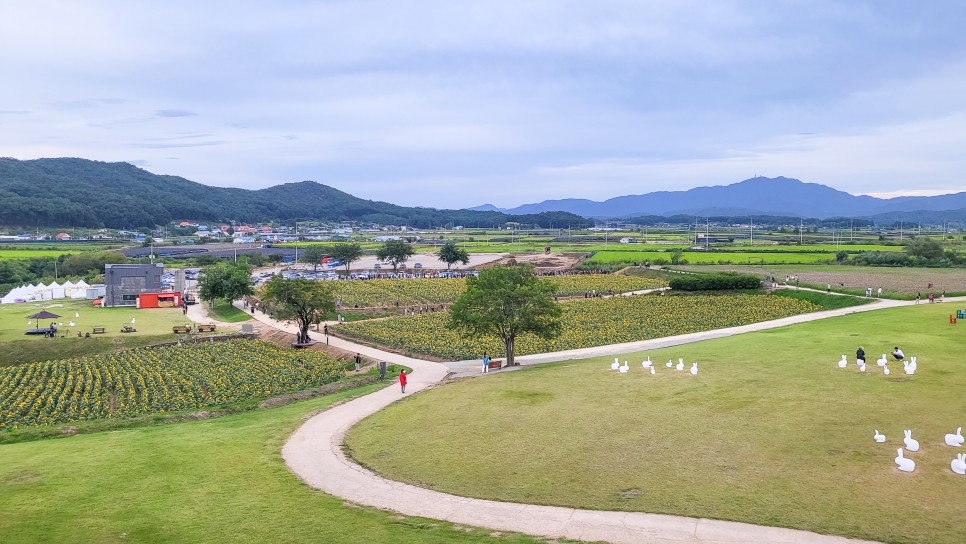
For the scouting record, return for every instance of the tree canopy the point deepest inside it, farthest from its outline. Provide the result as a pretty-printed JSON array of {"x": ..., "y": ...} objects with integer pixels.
[
  {"x": 451, "y": 254},
  {"x": 506, "y": 302},
  {"x": 300, "y": 300},
  {"x": 227, "y": 280},
  {"x": 313, "y": 255},
  {"x": 347, "y": 253},
  {"x": 395, "y": 252}
]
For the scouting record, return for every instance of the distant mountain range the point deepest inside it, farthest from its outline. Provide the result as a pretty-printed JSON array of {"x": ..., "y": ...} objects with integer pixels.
[
  {"x": 758, "y": 196},
  {"x": 70, "y": 192}
]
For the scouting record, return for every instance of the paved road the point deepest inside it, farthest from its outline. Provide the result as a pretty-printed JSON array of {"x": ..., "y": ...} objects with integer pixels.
[{"x": 314, "y": 453}]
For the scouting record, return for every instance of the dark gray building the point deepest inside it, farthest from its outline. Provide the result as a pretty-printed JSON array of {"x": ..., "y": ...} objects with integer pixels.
[{"x": 126, "y": 281}]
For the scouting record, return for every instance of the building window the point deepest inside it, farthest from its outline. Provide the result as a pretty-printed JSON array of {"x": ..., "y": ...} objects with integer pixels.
[{"x": 129, "y": 298}]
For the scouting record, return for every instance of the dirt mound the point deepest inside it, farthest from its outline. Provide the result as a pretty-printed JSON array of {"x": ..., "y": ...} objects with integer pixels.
[{"x": 542, "y": 262}]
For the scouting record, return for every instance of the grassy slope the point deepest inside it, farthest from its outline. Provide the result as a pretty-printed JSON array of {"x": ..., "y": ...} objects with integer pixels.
[
  {"x": 153, "y": 326},
  {"x": 228, "y": 313},
  {"x": 769, "y": 432},
  {"x": 219, "y": 480}
]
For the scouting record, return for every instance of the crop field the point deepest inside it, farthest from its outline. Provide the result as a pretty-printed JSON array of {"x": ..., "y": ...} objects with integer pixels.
[
  {"x": 709, "y": 257},
  {"x": 585, "y": 323},
  {"x": 763, "y": 247},
  {"x": 386, "y": 292},
  {"x": 770, "y": 431},
  {"x": 156, "y": 380},
  {"x": 901, "y": 282},
  {"x": 9, "y": 254}
]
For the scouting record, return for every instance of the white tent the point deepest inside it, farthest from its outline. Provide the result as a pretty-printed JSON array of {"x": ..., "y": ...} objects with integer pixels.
[
  {"x": 17, "y": 294},
  {"x": 57, "y": 291}
]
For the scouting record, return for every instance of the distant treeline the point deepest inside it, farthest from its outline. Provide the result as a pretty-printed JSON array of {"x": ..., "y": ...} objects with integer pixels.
[{"x": 89, "y": 194}]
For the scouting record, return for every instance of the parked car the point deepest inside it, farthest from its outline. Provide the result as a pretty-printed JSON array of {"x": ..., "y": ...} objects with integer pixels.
[{"x": 418, "y": 265}]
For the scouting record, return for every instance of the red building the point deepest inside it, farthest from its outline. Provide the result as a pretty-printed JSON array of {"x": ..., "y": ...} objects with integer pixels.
[{"x": 159, "y": 300}]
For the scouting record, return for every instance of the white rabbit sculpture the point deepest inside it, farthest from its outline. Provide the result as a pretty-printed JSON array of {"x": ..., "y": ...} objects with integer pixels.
[
  {"x": 882, "y": 360},
  {"x": 843, "y": 362},
  {"x": 679, "y": 366},
  {"x": 615, "y": 364},
  {"x": 878, "y": 437},
  {"x": 652, "y": 371},
  {"x": 905, "y": 465},
  {"x": 862, "y": 367},
  {"x": 911, "y": 443},
  {"x": 955, "y": 439},
  {"x": 624, "y": 368},
  {"x": 647, "y": 362},
  {"x": 694, "y": 369},
  {"x": 885, "y": 370},
  {"x": 669, "y": 364},
  {"x": 959, "y": 464}
]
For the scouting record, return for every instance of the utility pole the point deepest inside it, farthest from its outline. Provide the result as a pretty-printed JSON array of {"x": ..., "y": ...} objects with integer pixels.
[{"x": 752, "y": 230}]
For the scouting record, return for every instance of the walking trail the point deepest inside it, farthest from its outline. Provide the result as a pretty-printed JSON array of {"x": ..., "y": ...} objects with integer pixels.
[{"x": 314, "y": 452}]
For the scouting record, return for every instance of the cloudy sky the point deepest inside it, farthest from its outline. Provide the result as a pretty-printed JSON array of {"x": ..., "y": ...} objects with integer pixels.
[{"x": 456, "y": 104}]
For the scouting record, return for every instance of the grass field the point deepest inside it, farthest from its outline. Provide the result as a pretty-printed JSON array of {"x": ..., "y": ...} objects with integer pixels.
[
  {"x": 898, "y": 282},
  {"x": 708, "y": 257},
  {"x": 7, "y": 254},
  {"x": 770, "y": 431},
  {"x": 153, "y": 326},
  {"x": 214, "y": 481},
  {"x": 228, "y": 313}
]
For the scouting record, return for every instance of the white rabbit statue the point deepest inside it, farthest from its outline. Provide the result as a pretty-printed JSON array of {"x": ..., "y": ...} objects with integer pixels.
[
  {"x": 615, "y": 364},
  {"x": 843, "y": 362},
  {"x": 959, "y": 464},
  {"x": 669, "y": 364},
  {"x": 911, "y": 443},
  {"x": 878, "y": 437},
  {"x": 862, "y": 367},
  {"x": 647, "y": 362},
  {"x": 882, "y": 360},
  {"x": 624, "y": 368},
  {"x": 652, "y": 371},
  {"x": 955, "y": 439},
  {"x": 905, "y": 465},
  {"x": 885, "y": 370},
  {"x": 694, "y": 369},
  {"x": 679, "y": 366}
]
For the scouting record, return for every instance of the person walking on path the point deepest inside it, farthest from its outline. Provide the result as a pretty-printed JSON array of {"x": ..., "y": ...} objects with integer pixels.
[
  {"x": 402, "y": 380},
  {"x": 878, "y": 293},
  {"x": 918, "y": 297},
  {"x": 932, "y": 298},
  {"x": 358, "y": 361},
  {"x": 486, "y": 364}
]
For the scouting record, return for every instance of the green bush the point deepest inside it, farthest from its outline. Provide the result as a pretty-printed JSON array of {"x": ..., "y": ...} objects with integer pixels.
[{"x": 725, "y": 281}]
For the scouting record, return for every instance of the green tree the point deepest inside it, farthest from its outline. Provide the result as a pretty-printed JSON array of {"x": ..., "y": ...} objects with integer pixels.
[
  {"x": 347, "y": 253},
  {"x": 300, "y": 300},
  {"x": 395, "y": 252},
  {"x": 313, "y": 255},
  {"x": 227, "y": 280},
  {"x": 506, "y": 302},
  {"x": 450, "y": 254},
  {"x": 925, "y": 248}
]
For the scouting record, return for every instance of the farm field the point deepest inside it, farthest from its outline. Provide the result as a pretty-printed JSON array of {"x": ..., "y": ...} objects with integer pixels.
[
  {"x": 386, "y": 292},
  {"x": 585, "y": 323},
  {"x": 708, "y": 257},
  {"x": 218, "y": 481},
  {"x": 156, "y": 380},
  {"x": 770, "y": 431},
  {"x": 902, "y": 282},
  {"x": 153, "y": 326},
  {"x": 763, "y": 247},
  {"x": 8, "y": 254}
]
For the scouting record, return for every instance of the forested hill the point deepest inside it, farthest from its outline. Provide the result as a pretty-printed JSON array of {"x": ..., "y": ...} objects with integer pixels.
[{"x": 72, "y": 192}]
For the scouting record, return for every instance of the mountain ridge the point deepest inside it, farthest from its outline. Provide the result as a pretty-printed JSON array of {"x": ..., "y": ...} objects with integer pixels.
[{"x": 759, "y": 195}]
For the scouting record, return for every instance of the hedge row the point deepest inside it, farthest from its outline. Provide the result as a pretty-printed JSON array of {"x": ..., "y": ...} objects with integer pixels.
[{"x": 724, "y": 281}]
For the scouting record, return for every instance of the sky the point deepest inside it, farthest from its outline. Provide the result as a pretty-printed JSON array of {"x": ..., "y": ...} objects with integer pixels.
[{"x": 453, "y": 104}]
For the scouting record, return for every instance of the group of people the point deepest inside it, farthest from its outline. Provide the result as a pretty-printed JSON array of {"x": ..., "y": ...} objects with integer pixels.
[{"x": 896, "y": 352}]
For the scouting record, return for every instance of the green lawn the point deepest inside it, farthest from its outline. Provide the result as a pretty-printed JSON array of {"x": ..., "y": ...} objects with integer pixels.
[
  {"x": 770, "y": 431},
  {"x": 223, "y": 311},
  {"x": 153, "y": 326},
  {"x": 214, "y": 481}
]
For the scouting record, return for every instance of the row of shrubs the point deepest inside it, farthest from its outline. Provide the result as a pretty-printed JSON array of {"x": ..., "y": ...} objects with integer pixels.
[{"x": 724, "y": 281}]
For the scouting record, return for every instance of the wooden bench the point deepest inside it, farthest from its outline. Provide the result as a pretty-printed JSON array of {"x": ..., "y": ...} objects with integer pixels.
[
  {"x": 99, "y": 330},
  {"x": 496, "y": 364},
  {"x": 181, "y": 328},
  {"x": 206, "y": 328},
  {"x": 128, "y": 328}
]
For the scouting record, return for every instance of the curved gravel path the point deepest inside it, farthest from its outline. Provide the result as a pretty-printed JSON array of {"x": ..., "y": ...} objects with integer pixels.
[{"x": 314, "y": 453}]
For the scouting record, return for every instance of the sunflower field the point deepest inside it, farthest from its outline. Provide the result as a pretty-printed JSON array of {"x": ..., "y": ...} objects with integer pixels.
[
  {"x": 585, "y": 323},
  {"x": 387, "y": 292},
  {"x": 156, "y": 380}
]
